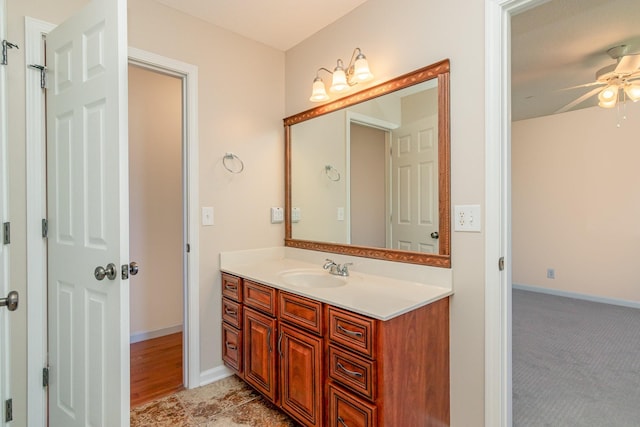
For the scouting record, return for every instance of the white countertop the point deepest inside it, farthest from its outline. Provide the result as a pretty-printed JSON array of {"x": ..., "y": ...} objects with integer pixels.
[{"x": 376, "y": 296}]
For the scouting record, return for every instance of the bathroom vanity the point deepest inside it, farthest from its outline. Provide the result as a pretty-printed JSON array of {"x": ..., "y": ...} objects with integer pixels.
[{"x": 362, "y": 350}]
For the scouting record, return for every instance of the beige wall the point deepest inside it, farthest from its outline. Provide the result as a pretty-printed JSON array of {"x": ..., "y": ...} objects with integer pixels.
[
  {"x": 399, "y": 36},
  {"x": 576, "y": 202},
  {"x": 155, "y": 201},
  {"x": 240, "y": 109}
]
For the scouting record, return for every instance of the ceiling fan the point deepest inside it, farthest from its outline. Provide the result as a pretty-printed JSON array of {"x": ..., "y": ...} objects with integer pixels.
[{"x": 622, "y": 76}]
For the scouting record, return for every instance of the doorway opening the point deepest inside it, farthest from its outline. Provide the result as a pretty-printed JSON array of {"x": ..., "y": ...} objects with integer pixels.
[{"x": 156, "y": 233}]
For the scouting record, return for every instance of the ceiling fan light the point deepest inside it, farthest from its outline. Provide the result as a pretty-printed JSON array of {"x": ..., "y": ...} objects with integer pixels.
[
  {"x": 609, "y": 94},
  {"x": 608, "y": 104},
  {"x": 633, "y": 91}
]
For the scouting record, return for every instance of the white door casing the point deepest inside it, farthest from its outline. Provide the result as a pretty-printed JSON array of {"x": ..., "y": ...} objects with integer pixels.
[
  {"x": 88, "y": 217},
  {"x": 415, "y": 186},
  {"x": 5, "y": 391}
]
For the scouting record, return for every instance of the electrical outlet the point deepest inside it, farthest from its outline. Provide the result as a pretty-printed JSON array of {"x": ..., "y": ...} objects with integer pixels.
[
  {"x": 551, "y": 273},
  {"x": 467, "y": 218}
]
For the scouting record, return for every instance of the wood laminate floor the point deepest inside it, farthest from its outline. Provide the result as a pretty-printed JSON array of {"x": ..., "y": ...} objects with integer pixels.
[{"x": 156, "y": 368}]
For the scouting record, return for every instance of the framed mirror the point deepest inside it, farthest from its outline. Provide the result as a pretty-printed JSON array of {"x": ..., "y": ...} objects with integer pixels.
[{"x": 369, "y": 174}]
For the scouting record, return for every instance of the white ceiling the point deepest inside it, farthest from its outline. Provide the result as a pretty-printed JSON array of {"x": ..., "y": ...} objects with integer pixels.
[
  {"x": 555, "y": 46},
  {"x": 277, "y": 23},
  {"x": 561, "y": 44}
]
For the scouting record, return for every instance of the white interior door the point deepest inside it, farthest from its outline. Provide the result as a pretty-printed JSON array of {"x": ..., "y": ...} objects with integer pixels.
[
  {"x": 88, "y": 217},
  {"x": 415, "y": 187}
]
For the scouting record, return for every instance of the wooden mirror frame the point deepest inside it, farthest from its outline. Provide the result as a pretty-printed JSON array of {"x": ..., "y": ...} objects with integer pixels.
[{"x": 439, "y": 70}]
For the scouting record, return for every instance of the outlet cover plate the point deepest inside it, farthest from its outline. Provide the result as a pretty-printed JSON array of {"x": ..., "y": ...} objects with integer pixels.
[{"x": 467, "y": 218}]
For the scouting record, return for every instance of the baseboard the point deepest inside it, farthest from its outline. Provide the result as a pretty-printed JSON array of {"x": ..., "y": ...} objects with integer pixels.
[
  {"x": 143, "y": 336},
  {"x": 215, "y": 374},
  {"x": 577, "y": 295}
]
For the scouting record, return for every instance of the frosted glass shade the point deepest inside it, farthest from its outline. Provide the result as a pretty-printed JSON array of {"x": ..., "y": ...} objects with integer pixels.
[
  {"x": 361, "y": 70},
  {"x": 339, "y": 83},
  {"x": 633, "y": 91},
  {"x": 319, "y": 93}
]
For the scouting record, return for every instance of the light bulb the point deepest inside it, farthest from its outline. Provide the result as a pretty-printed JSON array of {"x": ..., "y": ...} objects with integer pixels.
[
  {"x": 361, "y": 69},
  {"x": 319, "y": 93},
  {"x": 633, "y": 91},
  {"x": 339, "y": 83},
  {"x": 609, "y": 94}
]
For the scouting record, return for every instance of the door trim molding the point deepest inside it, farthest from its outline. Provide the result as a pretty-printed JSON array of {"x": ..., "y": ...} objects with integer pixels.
[
  {"x": 498, "y": 379},
  {"x": 189, "y": 73},
  {"x": 36, "y": 210}
]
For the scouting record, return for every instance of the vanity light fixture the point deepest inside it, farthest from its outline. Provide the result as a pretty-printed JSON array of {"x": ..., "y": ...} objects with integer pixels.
[{"x": 356, "y": 72}]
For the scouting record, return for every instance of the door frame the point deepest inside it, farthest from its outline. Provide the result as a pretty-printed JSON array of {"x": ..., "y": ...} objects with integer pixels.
[
  {"x": 36, "y": 211},
  {"x": 498, "y": 284},
  {"x": 5, "y": 361}
]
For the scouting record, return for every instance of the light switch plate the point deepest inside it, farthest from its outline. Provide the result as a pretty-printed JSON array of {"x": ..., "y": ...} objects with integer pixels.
[
  {"x": 467, "y": 218},
  {"x": 207, "y": 215}
]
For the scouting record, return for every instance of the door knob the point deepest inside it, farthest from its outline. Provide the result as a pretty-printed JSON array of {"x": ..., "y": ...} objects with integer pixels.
[
  {"x": 133, "y": 268},
  {"x": 11, "y": 301},
  {"x": 109, "y": 272},
  {"x": 435, "y": 235}
]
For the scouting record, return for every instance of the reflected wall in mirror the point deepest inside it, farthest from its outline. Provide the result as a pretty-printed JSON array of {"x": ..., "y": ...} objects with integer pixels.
[{"x": 368, "y": 175}]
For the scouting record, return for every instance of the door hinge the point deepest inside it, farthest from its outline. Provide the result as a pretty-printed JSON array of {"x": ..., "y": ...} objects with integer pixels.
[
  {"x": 5, "y": 46},
  {"x": 6, "y": 229},
  {"x": 45, "y": 376},
  {"x": 8, "y": 410},
  {"x": 188, "y": 248},
  {"x": 43, "y": 74},
  {"x": 501, "y": 263},
  {"x": 45, "y": 228}
]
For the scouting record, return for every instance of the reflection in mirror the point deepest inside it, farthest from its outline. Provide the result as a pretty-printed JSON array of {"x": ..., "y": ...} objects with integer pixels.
[{"x": 368, "y": 175}]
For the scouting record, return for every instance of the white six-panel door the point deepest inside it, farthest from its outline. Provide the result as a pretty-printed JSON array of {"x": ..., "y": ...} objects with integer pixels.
[
  {"x": 415, "y": 182},
  {"x": 88, "y": 217}
]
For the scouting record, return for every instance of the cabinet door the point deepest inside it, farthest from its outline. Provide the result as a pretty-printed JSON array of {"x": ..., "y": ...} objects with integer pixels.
[
  {"x": 259, "y": 354},
  {"x": 301, "y": 375}
]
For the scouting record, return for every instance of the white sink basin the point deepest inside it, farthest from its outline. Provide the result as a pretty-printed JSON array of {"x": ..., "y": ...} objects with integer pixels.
[{"x": 312, "y": 279}]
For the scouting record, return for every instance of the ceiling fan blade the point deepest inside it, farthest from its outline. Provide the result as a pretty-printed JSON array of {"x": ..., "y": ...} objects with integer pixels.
[
  {"x": 572, "y": 104},
  {"x": 628, "y": 64},
  {"x": 583, "y": 85}
]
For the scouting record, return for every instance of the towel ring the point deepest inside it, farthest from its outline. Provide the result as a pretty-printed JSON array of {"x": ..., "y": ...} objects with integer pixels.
[
  {"x": 231, "y": 156},
  {"x": 332, "y": 173}
]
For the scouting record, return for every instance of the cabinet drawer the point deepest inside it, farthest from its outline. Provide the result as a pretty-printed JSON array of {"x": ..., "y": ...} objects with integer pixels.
[
  {"x": 232, "y": 347},
  {"x": 352, "y": 331},
  {"x": 356, "y": 373},
  {"x": 232, "y": 313},
  {"x": 346, "y": 410},
  {"x": 260, "y": 297},
  {"x": 302, "y": 312},
  {"x": 232, "y": 287}
]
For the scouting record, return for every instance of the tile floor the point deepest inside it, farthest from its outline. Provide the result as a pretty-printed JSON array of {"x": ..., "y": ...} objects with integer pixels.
[{"x": 225, "y": 403}]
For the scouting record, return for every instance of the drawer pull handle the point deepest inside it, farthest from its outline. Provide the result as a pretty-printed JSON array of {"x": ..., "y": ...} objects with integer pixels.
[
  {"x": 231, "y": 346},
  {"x": 347, "y": 371},
  {"x": 231, "y": 287},
  {"x": 348, "y": 332},
  {"x": 231, "y": 312},
  {"x": 341, "y": 421}
]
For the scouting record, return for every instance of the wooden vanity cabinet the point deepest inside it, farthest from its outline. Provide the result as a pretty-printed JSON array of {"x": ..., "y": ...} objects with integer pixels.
[
  {"x": 389, "y": 373},
  {"x": 232, "y": 343},
  {"x": 301, "y": 349},
  {"x": 326, "y": 366},
  {"x": 260, "y": 334}
]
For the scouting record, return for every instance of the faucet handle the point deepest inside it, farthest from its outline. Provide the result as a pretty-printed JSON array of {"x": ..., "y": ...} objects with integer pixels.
[
  {"x": 344, "y": 269},
  {"x": 329, "y": 263}
]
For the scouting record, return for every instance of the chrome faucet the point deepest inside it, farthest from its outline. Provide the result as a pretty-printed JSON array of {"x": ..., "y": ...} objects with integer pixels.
[{"x": 337, "y": 269}]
